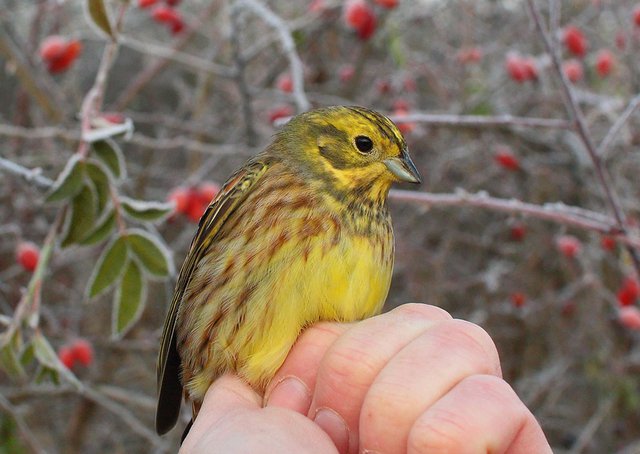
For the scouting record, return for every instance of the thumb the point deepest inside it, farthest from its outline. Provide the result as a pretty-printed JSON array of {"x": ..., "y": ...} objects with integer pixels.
[{"x": 227, "y": 394}]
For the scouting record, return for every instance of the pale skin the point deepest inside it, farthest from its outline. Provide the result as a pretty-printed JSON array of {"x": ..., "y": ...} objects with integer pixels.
[{"x": 413, "y": 380}]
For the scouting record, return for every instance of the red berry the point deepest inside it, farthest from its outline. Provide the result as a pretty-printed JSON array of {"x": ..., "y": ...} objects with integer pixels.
[
  {"x": 52, "y": 47},
  {"x": 181, "y": 198},
  {"x": 166, "y": 15},
  {"x": 280, "y": 112},
  {"x": 285, "y": 83},
  {"x": 469, "y": 55},
  {"x": 636, "y": 15},
  {"x": 388, "y": 4},
  {"x": 146, "y": 3},
  {"x": 569, "y": 245},
  {"x": 575, "y": 41},
  {"x": 608, "y": 243},
  {"x": 604, "y": 62},
  {"x": 518, "y": 232},
  {"x": 573, "y": 70},
  {"x": 359, "y": 16},
  {"x": 410, "y": 84},
  {"x": 207, "y": 191},
  {"x": 404, "y": 126},
  {"x": 66, "y": 356},
  {"x": 518, "y": 299},
  {"x": 629, "y": 317},
  {"x": 172, "y": 2},
  {"x": 530, "y": 68},
  {"x": 196, "y": 209},
  {"x": 629, "y": 292},
  {"x": 82, "y": 351},
  {"x": 568, "y": 308},
  {"x": 59, "y": 53},
  {"x": 177, "y": 26},
  {"x": 383, "y": 86},
  {"x": 517, "y": 71},
  {"x": 401, "y": 104},
  {"x": 346, "y": 73},
  {"x": 27, "y": 255},
  {"x": 506, "y": 159},
  {"x": 621, "y": 40}
]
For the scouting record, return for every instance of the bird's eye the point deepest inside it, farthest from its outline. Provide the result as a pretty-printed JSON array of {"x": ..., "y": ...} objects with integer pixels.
[{"x": 364, "y": 144}]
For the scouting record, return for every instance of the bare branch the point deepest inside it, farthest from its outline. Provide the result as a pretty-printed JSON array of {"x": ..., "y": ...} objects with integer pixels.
[
  {"x": 31, "y": 175},
  {"x": 289, "y": 47},
  {"x": 617, "y": 126},
  {"x": 557, "y": 212},
  {"x": 476, "y": 121}
]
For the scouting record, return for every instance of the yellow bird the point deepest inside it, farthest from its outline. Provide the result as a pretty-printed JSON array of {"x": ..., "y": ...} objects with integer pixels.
[{"x": 300, "y": 234}]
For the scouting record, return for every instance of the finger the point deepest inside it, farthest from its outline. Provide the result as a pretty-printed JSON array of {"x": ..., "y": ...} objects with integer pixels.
[
  {"x": 293, "y": 384},
  {"x": 353, "y": 361},
  {"x": 228, "y": 394},
  {"x": 481, "y": 414},
  {"x": 418, "y": 376}
]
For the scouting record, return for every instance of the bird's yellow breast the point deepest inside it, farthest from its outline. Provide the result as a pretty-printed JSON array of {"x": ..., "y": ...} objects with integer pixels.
[{"x": 249, "y": 302}]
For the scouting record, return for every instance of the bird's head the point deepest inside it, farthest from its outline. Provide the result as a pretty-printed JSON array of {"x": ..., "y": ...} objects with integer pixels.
[{"x": 354, "y": 148}]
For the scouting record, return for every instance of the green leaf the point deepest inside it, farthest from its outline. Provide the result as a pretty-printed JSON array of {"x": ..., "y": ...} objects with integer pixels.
[
  {"x": 82, "y": 216},
  {"x": 98, "y": 176},
  {"x": 147, "y": 211},
  {"x": 101, "y": 231},
  {"x": 99, "y": 16},
  {"x": 69, "y": 182},
  {"x": 10, "y": 363},
  {"x": 129, "y": 299},
  {"x": 110, "y": 154},
  {"x": 27, "y": 355},
  {"x": 47, "y": 356},
  {"x": 109, "y": 267},
  {"x": 152, "y": 254}
]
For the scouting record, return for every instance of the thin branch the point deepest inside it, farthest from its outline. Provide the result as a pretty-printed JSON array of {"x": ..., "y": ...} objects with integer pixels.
[
  {"x": 476, "y": 121},
  {"x": 31, "y": 175},
  {"x": 590, "y": 429},
  {"x": 245, "y": 95},
  {"x": 289, "y": 47},
  {"x": 557, "y": 212},
  {"x": 197, "y": 63},
  {"x": 617, "y": 126},
  {"x": 572, "y": 106}
]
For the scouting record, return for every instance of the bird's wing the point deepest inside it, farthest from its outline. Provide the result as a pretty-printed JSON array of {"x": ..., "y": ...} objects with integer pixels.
[{"x": 232, "y": 194}]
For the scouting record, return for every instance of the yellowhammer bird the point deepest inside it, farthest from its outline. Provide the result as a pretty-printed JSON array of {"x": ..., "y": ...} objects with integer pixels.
[{"x": 300, "y": 234}]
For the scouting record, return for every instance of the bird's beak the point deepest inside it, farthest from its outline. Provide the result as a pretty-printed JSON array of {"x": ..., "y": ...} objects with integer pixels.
[{"x": 403, "y": 168}]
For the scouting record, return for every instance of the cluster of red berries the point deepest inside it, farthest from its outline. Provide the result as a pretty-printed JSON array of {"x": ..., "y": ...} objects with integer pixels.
[
  {"x": 521, "y": 69},
  {"x": 576, "y": 44},
  {"x": 360, "y": 16},
  {"x": 193, "y": 202},
  {"x": 59, "y": 53},
  {"x": 78, "y": 351},
  {"x": 165, "y": 14}
]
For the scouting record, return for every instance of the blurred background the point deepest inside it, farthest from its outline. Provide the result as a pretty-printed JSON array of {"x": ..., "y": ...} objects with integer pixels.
[{"x": 126, "y": 116}]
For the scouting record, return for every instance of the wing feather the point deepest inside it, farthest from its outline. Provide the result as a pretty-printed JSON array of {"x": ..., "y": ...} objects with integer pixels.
[{"x": 232, "y": 194}]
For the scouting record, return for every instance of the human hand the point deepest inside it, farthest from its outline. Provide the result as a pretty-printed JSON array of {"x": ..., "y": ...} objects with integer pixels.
[{"x": 413, "y": 380}]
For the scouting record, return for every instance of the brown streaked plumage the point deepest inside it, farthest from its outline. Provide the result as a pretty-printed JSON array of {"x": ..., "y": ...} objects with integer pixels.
[{"x": 300, "y": 234}]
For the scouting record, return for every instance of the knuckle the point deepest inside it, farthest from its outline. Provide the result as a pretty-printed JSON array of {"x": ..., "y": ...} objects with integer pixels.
[
  {"x": 471, "y": 337},
  {"x": 440, "y": 432},
  {"x": 412, "y": 310},
  {"x": 496, "y": 390},
  {"x": 349, "y": 365}
]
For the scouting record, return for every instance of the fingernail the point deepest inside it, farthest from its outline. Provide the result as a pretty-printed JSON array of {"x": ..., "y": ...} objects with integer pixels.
[
  {"x": 292, "y": 393},
  {"x": 333, "y": 424}
]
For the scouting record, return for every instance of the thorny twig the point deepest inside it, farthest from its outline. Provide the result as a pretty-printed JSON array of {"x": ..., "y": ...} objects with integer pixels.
[
  {"x": 31, "y": 175},
  {"x": 582, "y": 129}
]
